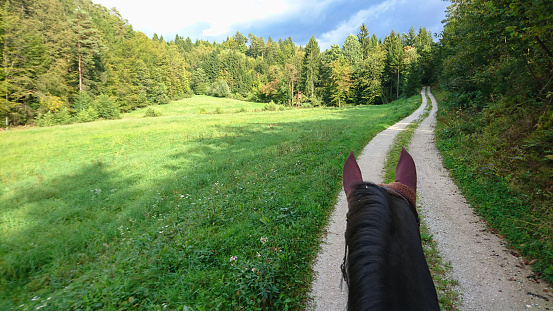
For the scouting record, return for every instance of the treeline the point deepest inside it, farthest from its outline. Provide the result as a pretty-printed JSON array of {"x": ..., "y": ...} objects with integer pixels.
[{"x": 69, "y": 61}]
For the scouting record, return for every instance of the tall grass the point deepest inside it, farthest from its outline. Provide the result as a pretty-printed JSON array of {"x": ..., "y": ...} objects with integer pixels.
[{"x": 186, "y": 210}]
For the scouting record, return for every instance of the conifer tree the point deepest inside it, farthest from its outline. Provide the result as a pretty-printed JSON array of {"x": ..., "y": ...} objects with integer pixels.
[
  {"x": 88, "y": 45},
  {"x": 311, "y": 65}
]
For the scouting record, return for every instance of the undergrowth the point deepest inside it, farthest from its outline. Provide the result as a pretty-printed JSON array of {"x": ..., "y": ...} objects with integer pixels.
[{"x": 501, "y": 156}]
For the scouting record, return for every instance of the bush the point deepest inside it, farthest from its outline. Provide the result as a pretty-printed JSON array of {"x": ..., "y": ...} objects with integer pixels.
[
  {"x": 271, "y": 106},
  {"x": 87, "y": 115},
  {"x": 83, "y": 101},
  {"x": 251, "y": 97},
  {"x": 219, "y": 89},
  {"x": 218, "y": 110},
  {"x": 45, "y": 119},
  {"x": 315, "y": 102},
  {"x": 152, "y": 112},
  {"x": 106, "y": 107},
  {"x": 54, "y": 118},
  {"x": 63, "y": 117}
]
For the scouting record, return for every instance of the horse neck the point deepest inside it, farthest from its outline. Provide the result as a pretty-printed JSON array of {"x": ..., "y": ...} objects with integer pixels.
[{"x": 386, "y": 266}]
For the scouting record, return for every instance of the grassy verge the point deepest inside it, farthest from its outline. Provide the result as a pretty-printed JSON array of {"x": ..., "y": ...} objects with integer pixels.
[
  {"x": 183, "y": 211},
  {"x": 448, "y": 296},
  {"x": 501, "y": 158}
]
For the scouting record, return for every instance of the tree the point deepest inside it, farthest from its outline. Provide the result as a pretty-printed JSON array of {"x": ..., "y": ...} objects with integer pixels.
[
  {"x": 364, "y": 40},
  {"x": 88, "y": 45},
  {"x": 22, "y": 57},
  {"x": 257, "y": 46},
  {"x": 292, "y": 77},
  {"x": 394, "y": 59},
  {"x": 311, "y": 65},
  {"x": 368, "y": 79},
  {"x": 341, "y": 78},
  {"x": 413, "y": 72},
  {"x": 352, "y": 51}
]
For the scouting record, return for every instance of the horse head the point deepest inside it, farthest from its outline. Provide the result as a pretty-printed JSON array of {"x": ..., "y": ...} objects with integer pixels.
[{"x": 384, "y": 265}]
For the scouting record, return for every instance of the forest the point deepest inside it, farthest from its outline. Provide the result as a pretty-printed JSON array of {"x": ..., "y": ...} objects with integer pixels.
[{"x": 74, "y": 61}]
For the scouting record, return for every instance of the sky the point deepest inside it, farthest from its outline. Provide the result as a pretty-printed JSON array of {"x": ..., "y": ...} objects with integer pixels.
[{"x": 330, "y": 21}]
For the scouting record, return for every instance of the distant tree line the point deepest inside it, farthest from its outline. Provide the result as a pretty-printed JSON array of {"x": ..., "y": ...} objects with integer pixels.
[{"x": 69, "y": 61}]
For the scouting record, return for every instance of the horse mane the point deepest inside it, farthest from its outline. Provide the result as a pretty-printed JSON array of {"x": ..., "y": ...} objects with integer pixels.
[{"x": 369, "y": 221}]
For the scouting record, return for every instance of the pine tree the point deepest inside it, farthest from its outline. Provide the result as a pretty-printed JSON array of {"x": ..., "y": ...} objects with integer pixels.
[
  {"x": 311, "y": 65},
  {"x": 352, "y": 51},
  {"x": 364, "y": 40},
  {"x": 88, "y": 45}
]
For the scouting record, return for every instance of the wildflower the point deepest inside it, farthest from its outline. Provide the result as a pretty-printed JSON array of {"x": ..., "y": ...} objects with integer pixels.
[
  {"x": 232, "y": 259},
  {"x": 263, "y": 240},
  {"x": 258, "y": 254}
]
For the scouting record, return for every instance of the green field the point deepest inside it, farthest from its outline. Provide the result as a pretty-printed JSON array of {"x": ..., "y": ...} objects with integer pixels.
[{"x": 190, "y": 210}]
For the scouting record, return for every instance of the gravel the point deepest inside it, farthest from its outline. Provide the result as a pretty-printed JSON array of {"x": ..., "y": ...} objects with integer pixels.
[{"x": 491, "y": 277}]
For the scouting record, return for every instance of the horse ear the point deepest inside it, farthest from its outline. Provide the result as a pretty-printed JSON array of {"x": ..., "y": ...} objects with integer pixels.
[
  {"x": 352, "y": 173},
  {"x": 406, "y": 172}
]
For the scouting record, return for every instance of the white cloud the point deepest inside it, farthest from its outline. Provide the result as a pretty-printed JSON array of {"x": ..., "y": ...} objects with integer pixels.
[
  {"x": 169, "y": 16},
  {"x": 351, "y": 26}
]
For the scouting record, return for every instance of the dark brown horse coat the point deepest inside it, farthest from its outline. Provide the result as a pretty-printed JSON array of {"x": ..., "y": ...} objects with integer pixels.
[{"x": 385, "y": 266}]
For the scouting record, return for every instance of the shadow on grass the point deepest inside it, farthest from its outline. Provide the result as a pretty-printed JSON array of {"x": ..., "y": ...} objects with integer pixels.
[{"x": 60, "y": 217}]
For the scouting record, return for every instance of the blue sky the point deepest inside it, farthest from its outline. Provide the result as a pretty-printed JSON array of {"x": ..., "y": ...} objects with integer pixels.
[{"x": 330, "y": 21}]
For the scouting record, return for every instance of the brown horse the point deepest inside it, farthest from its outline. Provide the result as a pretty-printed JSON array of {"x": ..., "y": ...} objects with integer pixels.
[{"x": 384, "y": 266}]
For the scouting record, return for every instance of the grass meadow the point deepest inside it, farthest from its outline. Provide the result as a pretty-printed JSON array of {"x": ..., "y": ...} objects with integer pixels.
[{"x": 221, "y": 209}]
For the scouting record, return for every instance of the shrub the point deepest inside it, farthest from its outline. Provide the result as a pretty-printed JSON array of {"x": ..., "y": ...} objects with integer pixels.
[
  {"x": 83, "y": 101},
  {"x": 152, "y": 112},
  {"x": 45, "y": 119},
  {"x": 202, "y": 111},
  {"x": 315, "y": 102},
  {"x": 220, "y": 89},
  {"x": 87, "y": 115},
  {"x": 271, "y": 106},
  {"x": 218, "y": 110},
  {"x": 63, "y": 116},
  {"x": 106, "y": 107},
  {"x": 251, "y": 97}
]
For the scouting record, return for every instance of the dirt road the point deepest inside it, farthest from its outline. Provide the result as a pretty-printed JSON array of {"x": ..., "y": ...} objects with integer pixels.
[
  {"x": 326, "y": 288},
  {"x": 490, "y": 277}
]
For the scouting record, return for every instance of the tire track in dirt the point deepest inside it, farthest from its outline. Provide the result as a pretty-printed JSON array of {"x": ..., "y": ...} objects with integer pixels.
[
  {"x": 490, "y": 277},
  {"x": 326, "y": 292}
]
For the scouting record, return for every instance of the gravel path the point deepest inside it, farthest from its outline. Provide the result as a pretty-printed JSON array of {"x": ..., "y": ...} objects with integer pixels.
[
  {"x": 326, "y": 287},
  {"x": 490, "y": 277}
]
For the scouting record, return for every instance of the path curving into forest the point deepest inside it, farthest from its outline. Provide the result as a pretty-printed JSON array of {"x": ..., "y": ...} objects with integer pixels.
[{"x": 490, "y": 276}]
